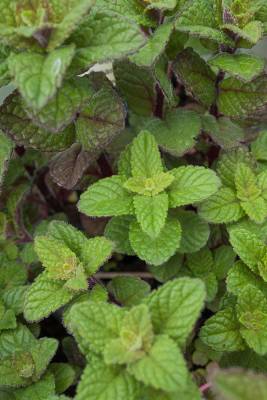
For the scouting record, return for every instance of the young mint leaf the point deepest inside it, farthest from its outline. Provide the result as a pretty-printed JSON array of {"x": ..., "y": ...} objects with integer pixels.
[
  {"x": 106, "y": 197},
  {"x": 154, "y": 47},
  {"x": 149, "y": 186},
  {"x": 222, "y": 207},
  {"x": 158, "y": 250},
  {"x": 241, "y": 66},
  {"x": 44, "y": 297},
  {"x": 95, "y": 253},
  {"x": 103, "y": 36},
  {"x": 38, "y": 76},
  {"x": 44, "y": 389},
  {"x": 238, "y": 384},
  {"x": 74, "y": 239},
  {"x": 175, "y": 307},
  {"x": 239, "y": 276},
  {"x": 151, "y": 213},
  {"x": 95, "y": 323},
  {"x": 252, "y": 314},
  {"x": 13, "y": 298},
  {"x": 222, "y": 331},
  {"x": 176, "y": 133},
  {"x": 192, "y": 184},
  {"x": 249, "y": 35},
  {"x": 163, "y": 367},
  {"x": 117, "y": 230},
  {"x": 128, "y": 290},
  {"x": 110, "y": 382},
  {"x": 145, "y": 156},
  {"x": 195, "y": 231},
  {"x": 199, "y": 81}
]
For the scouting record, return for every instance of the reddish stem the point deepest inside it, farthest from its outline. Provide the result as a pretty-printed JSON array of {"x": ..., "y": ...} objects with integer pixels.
[{"x": 205, "y": 387}]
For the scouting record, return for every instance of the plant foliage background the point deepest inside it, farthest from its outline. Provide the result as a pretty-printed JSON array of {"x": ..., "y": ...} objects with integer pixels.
[{"x": 133, "y": 222}]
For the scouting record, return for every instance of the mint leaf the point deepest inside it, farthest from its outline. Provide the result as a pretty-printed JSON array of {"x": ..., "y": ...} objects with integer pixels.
[
  {"x": 145, "y": 156},
  {"x": 176, "y": 306},
  {"x": 163, "y": 367},
  {"x": 106, "y": 197},
  {"x": 5, "y": 154},
  {"x": 221, "y": 332},
  {"x": 222, "y": 207},
  {"x": 158, "y": 250},
  {"x": 192, "y": 184},
  {"x": 177, "y": 132},
  {"x": 242, "y": 66},
  {"x": 112, "y": 382},
  {"x": 129, "y": 290},
  {"x": 38, "y": 76},
  {"x": 151, "y": 213},
  {"x": 117, "y": 230}
]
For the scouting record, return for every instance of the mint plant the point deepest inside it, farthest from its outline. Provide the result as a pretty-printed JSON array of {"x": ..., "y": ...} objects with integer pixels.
[{"x": 133, "y": 199}]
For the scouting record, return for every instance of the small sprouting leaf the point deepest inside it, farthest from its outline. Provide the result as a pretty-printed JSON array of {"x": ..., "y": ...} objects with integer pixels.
[
  {"x": 145, "y": 156},
  {"x": 158, "y": 250},
  {"x": 176, "y": 306},
  {"x": 191, "y": 185},
  {"x": 107, "y": 197},
  {"x": 38, "y": 76}
]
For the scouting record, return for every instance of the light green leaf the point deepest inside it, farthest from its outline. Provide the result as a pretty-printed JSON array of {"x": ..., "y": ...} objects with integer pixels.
[
  {"x": 163, "y": 367},
  {"x": 248, "y": 247},
  {"x": 117, "y": 230},
  {"x": 199, "y": 81},
  {"x": 252, "y": 313},
  {"x": 44, "y": 388},
  {"x": 103, "y": 36},
  {"x": 176, "y": 133},
  {"x": 222, "y": 207},
  {"x": 239, "y": 276},
  {"x": 149, "y": 186},
  {"x": 154, "y": 47},
  {"x": 74, "y": 239},
  {"x": 44, "y": 297},
  {"x": 249, "y": 35},
  {"x": 175, "y": 307},
  {"x": 107, "y": 197},
  {"x": 129, "y": 290},
  {"x": 192, "y": 184},
  {"x": 221, "y": 332},
  {"x": 238, "y": 99},
  {"x": 102, "y": 382},
  {"x": 195, "y": 231},
  {"x": 156, "y": 251},
  {"x": 14, "y": 298},
  {"x": 227, "y": 165},
  {"x": 95, "y": 253},
  {"x": 145, "y": 156},
  {"x": 151, "y": 213},
  {"x": 39, "y": 76},
  {"x": 237, "y": 384},
  {"x": 242, "y": 66},
  {"x": 69, "y": 20},
  {"x": 93, "y": 324}
]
